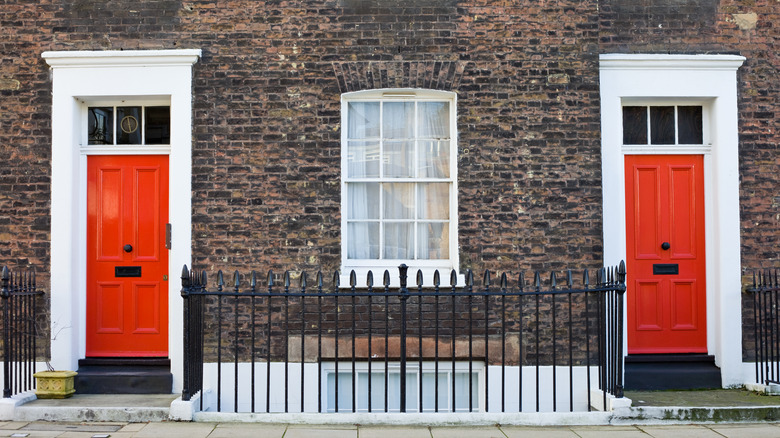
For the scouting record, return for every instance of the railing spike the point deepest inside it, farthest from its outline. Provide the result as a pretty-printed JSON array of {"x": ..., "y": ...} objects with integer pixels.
[
  {"x": 553, "y": 282},
  {"x": 419, "y": 278},
  {"x": 537, "y": 281},
  {"x": 486, "y": 278},
  {"x": 436, "y": 278},
  {"x": 253, "y": 281},
  {"x": 370, "y": 279},
  {"x": 386, "y": 278},
  {"x": 622, "y": 271},
  {"x": 220, "y": 280},
  {"x": 521, "y": 281},
  {"x": 270, "y": 278},
  {"x": 303, "y": 282},
  {"x": 569, "y": 280},
  {"x": 503, "y": 282},
  {"x": 185, "y": 276},
  {"x": 469, "y": 278},
  {"x": 286, "y": 280},
  {"x": 352, "y": 278},
  {"x": 336, "y": 280},
  {"x": 320, "y": 283},
  {"x": 236, "y": 280},
  {"x": 586, "y": 279},
  {"x": 453, "y": 278}
]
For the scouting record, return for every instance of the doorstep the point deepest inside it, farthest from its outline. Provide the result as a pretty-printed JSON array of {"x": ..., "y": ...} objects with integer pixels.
[{"x": 128, "y": 408}]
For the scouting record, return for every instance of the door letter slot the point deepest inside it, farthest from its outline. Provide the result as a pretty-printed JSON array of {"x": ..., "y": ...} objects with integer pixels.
[
  {"x": 666, "y": 269},
  {"x": 127, "y": 271}
]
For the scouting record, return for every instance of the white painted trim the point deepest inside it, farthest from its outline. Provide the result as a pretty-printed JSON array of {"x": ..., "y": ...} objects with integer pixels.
[
  {"x": 711, "y": 78},
  {"x": 78, "y": 78}
]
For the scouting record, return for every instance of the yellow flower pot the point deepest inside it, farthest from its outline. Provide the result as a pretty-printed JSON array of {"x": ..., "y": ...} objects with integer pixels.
[{"x": 54, "y": 384}]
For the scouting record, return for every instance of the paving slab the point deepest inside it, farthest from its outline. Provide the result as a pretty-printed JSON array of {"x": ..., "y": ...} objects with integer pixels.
[
  {"x": 175, "y": 430},
  {"x": 466, "y": 432},
  {"x": 13, "y": 425},
  {"x": 321, "y": 432},
  {"x": 541, "y": 432},
  {"x": 248, "y": 430},
  {"x": 745, "y": 430},
  {"x": 682, "y": 431},
  {"x": 394, "y": 432},
  {"x": 31, "y": 433},
  {"x": 609, "y": 432}
]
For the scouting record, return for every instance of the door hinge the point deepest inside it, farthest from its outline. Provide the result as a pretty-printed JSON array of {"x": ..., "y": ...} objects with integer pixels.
[{"x": 168, "y": 236}]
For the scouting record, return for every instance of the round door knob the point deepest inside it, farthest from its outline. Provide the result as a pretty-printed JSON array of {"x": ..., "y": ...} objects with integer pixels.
[
  {"x": 128, "y": 247},
  {"x": 665, "y": 246}
]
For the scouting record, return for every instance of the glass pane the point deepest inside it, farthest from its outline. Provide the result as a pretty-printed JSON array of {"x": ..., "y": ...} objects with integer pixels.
[
  {"x": 433, "y": 119},
  {"x": 399, "y": 241},
  {"x": 363, "y": 201},
  {"x": 398, "y": 120},
  {"x": 429, "y": 391},
  {"x": 100, "y": 125},
  {"x": 434, "y": 159},
  {"x": 157, "y": 128},
  {"x": 363, "y": 240},
  {"x": 399, "y": 201},
  {"x": 689, "y": 123},
  {"x": 363, "y": 159},
  {"x": 363, "y": 120},
  {"x": 462, "y": 383},
  {"x": 661, "y": 125},
  {"x": 128, "y": 125},
  {"x": 433, "y": 240},
  {"x": 634, "y": 125},
  {"x": 433, "y": 201},
  {"x": 399, "y": 156}
]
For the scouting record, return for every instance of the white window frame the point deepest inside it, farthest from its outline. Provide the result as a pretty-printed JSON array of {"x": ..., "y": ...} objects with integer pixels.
[
  {"x": 378, "y": 266},
  {"x": 709, "y": 80}
]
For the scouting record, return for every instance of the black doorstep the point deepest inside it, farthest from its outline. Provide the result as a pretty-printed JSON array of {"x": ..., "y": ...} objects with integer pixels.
[
  {"x": 120, "y": 375},
  {"x": 671, "y": 371}
]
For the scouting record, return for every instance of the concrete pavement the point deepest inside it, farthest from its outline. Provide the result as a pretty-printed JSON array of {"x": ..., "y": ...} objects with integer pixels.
[{"x": 239, "y": 430}]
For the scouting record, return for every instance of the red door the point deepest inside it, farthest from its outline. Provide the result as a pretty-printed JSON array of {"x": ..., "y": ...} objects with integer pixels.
[
  {"x": 127, "y": 262},
  {"x": 665, "y": 254}
]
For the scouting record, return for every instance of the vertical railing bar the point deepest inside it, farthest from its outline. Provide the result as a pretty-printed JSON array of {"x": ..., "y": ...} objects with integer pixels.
[
  {"x": 436, "y": 282},
  {"x": 470, "y": 291},
  {"x": 336, "y": 349},
  {"x": 270, "y": 285},
  {"x": 602, "y": 342},
  {"x": 503, "y": 341},
  {"x": 303, "y": 339},
  {"x": 621, "y": 295},
  {"x": 538, "y": 284},
  {"x": 319, "y": 339},
  {"x": 386, "y": 283},
  {"x": 6, "y": 293},
  {"x": 402, "y": 269},
  {"x": 286, "y": 341},
  {"x": 235, "y": 341},
  {"x": 370, "y": 288},
  {"x": 521, "y": 349},
  {"x": 353, "y": 285},
  {"x": 220, "y": 283},
  {"x": 586, "y": 286},
  {"x": 554, "y": 351},
  {"x": 570, "y": 286},
  {"x": 253, "y": 326},
  {"x": 453, "y": 285},
  {"x": 756, "y": 339},
  {"x": 420, "y": 340},
  {"x": 186, "y": 336},
  {"x": 486, "y": 301}
]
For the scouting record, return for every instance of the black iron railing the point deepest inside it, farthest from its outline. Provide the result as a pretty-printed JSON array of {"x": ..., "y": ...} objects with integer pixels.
[
  {"x": 20, "y": 309},
  {"x": 451, "y": 348},
  {"x": 766, "y": 325}
]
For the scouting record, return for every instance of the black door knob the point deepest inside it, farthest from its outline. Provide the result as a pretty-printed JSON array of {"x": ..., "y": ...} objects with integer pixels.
[
  {"x": 128, "y": 248},
  {"x": 665, "y": 246}
]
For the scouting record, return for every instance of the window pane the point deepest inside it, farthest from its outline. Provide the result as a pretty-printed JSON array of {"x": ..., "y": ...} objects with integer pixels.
[
  {"x": 398, "y": 201},
  {"x": 128, "y": 125},
  {"x": 399, "y": 156},
  {"x": 433, "y": 119},
  {"x": 363, "y": 159},
  {"x": 363, "y": 120},
  {"x": 157, "y": 128},
  {"x": 433, "y": 240},
  {"x": 689, "y": 122},
  {"x": 100, "y": 125},
  {"x": 434, "y": 159},
  {"x": 398, "y": 120},
  {"x": 433, "y": 201},
  {"x": 661, "y": 125},
  {"x": 363, "y": 200},
  {"x": 399, "y": 241},
  {"x": 363, "y": 238},
  {"x": 634, "y": 125}
]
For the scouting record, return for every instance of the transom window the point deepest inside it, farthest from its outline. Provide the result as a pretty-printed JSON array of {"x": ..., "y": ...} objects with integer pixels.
[
  {"x": 398, "y": 176},
  {"x": 128, "y": 125},
  {"x": 662, "y": 125}
]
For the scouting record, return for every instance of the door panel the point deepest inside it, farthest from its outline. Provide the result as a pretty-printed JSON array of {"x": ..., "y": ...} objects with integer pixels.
[
  {"x": 665, "y": 206},
  {"x": 127, "y": 262}
]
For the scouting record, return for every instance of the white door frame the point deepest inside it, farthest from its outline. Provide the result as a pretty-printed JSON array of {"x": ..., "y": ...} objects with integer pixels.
[
  {"x": 81, "y": 78},
  {"x": 711, "y": 80}
]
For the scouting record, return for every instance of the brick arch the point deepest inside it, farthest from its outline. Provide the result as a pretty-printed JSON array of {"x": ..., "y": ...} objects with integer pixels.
[{"x": 369, "y": 75}]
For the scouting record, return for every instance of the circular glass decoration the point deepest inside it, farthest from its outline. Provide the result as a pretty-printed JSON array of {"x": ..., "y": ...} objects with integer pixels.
[{"x": 129, "y": 124}]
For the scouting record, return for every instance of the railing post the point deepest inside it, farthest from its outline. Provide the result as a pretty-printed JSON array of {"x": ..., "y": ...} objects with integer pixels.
[
  {"x": 402, "y": 270},
  {"x": 6, "y": 293},
  {"x": 185, "y": 294},
  {"x": 621, "y": 290}
]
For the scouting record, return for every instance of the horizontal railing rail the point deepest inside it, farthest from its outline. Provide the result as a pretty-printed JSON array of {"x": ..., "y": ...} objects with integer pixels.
[
  {"x": 494, "y": 348},
  {"x": 19, "y": 314},
  {"x": 765, "y": 292}
]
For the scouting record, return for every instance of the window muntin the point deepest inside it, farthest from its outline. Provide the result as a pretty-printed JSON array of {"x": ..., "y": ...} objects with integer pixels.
[
  {"x": 128, "y": 125},
  {"x": 398, "y": 180},
  {"x": 663, "y": 125}
]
